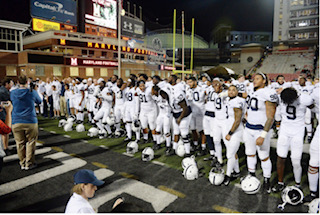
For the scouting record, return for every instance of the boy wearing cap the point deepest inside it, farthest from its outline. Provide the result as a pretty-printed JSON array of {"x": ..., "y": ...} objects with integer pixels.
[{"x": 85, "y": 186}]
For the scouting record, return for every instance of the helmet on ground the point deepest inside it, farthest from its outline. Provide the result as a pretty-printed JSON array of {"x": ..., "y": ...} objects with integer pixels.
[
  {"x": 132, "y": 147},
  {"x": 111, "y": 120},
  {"x": 180, "y": 151},
  {"x": 250, "y": 184},
  {"x": 68, "y": 126},
  {"x": 188, "y": 161},
  {"x": 191, "y": 172},
  {"x": 136, "y": 125},
  {"x": 71, "y": 118},
  {"x": 80, "y": 128},
  {"x": 216, "y": 176},
  {"x": 93, "y": 132},
  {"x": 147, "y": 154},
  {"x": 291, "y": 195},
  {"x": 314, "y": 206},
  {"x": 62, "y": 122}
]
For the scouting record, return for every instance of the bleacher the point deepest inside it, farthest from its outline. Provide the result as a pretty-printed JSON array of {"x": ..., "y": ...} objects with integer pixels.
[{"x": 288, "y": 62}]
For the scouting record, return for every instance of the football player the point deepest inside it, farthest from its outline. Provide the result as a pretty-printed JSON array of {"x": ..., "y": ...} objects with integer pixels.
[
  {"x": 292, "y": 109},
  {"x": 182, "y": 113},
  {"x": 262, "y": 103},
  {"x": 90, "y": 99},
  {"x": 236, "y": 108},
  {"x": 130, "y": 110},
  {"x": 119, "y": 91},
  {"x": 79, "y": 100}
]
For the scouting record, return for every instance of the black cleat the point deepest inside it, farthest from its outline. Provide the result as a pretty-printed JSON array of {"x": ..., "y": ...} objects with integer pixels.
[
  {"x": 187, "y": 155},
  {"x": 235, "y": 175},
  {"x": 266, "y": 185},
  {"x": 201, "y": 152},
  {"x": 156, "y": 146},
  {"x": 169, "y": 152},
  {"x": 252, "y": 174},
  {"x": 127, "y": 140},
  {"x": 309, "y": 139},
  {"x": 212, "y": 157},
  {"x": 143, "y": 141},
  {"x": 278, "y": 187},
  {"x": 310, "y": 197},
  {"x": 226, "y": 180}
]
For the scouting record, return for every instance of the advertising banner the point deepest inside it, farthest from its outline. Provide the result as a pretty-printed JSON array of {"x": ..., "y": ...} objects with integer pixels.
[
  {"x": 42, "y": 25},
  {"x": 132, "y": 27},
  {"x": 62, "y": 11},
  {"x": 90, "y": 62}
]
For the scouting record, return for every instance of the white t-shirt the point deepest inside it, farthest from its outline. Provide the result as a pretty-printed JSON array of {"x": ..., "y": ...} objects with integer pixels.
[
  {"x": 256, "y": 108},
  {"x": 77, "y": 204}
]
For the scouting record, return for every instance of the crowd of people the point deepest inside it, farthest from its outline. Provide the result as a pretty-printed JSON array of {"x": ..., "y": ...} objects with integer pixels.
[{"x": 212, "y": 111}]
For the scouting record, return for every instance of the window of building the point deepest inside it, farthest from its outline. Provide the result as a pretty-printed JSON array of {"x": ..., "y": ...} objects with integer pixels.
[
  {"x": 91, "y": 52},
  {"x": 40, "y": 71},
  {"x": 74, "y": 71},
  {"x": 127, "y": 72},
  {"x": 104, "y": 72},
  {"x": 57, "y": 71},
  {"x": 84, "y": 52},
  {"x": 104, "y": 54},
  {"x": 89, "y": 72},
  {"x": 280, "y": 33},
  {"x": 115, "y": 55},
  {"x": 11, "y": 71},
  {"x": 231, "y": 37}
]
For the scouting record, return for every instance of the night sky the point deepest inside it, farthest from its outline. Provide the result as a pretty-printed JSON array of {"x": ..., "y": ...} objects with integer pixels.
[{"x": 243, "y": 15}]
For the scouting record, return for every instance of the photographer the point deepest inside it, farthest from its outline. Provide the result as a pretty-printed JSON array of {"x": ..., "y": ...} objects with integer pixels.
[{"x": 25, "y": 123}]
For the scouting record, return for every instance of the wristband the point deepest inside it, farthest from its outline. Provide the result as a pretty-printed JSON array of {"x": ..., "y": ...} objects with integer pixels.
[
  {"x": 263, "y": 134},
  {"x": 230, "y": 133}
]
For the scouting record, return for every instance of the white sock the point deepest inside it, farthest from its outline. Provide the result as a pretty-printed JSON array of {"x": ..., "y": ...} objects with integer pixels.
[
  {"x": 81, "y": 116},
  {"x": 100, "y": 126},
  {"x": 145, "y": 136},
  {"x": 218, "y": 148},
  {"x": 117, "y": 125},
  {"x": 266, "y": 168},
  {"x": 309, "y": 129},
  {"x": 313, "y": 177},
  {"x": 212, "y": 152},
  {"x": 168, "y": 141},
  {"x": 195, "y": 143},
  {"x": 157, "y": 136},
  {"x": 107, "y": 127},
  {"x": 129, "y": 130},
  {"x": 236, "y": 166},
  {"x": 252, "y": 162},
  {"x": 297, "y": 170},
  {"x": 230, "y": 164},
  {"x": 89, "y": 117},
  {"x": 78, "y": 116},
  {"x": 138, "y": 134},
  {"x": 203, "y": 146},
  {"x": 175, "y": 145},
  {"x": 187, "y": 147}
]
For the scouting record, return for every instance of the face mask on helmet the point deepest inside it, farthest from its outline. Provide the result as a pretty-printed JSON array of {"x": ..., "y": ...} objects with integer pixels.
[
  {"x": 291, "y": 195},
  {"x": 216, "y": 176},
  {"x": 314, "y": 206},
  {"x": 62, "y": 123},
  {"x": 147, "y": 154},
  {"x": 93, "y": 132},
  {"x": 132, "y": 147}
]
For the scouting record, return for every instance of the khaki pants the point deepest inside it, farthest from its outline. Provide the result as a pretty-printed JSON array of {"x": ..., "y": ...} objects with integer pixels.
[
  {"x": 63, "y": 106},
  {"x": 26, "y": 136}
]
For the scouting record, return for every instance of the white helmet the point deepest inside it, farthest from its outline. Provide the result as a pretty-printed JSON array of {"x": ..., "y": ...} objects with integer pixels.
[
  {"x": 314, "y": 206},
  {"x": 188, "y": 161},
  {"x": 68, "y": 126},
  {"x": 250, "y": 184},
  {"x": 216, "y": 176},
  {"x": 136, "y": 125},
  {"x": 191, "y": 172},
  {"x": 111, "y": 120},
  {"x": 291, "y": 195},
  {"x": 180, "y": 151},
  {"x": 147, "y": 154},
  {"x": 62, "y": 122},
  {"x": 132, "y": 147},
  {"x": 80, "y": 128},
  {"x": 71, "y": 119},
  {"x": 93, "y": 132}
]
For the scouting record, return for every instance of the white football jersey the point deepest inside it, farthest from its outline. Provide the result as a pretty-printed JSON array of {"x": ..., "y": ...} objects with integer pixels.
[
  {"x": 197, "y": 100},
  {"x": 305, "y": 89},
  {"x": 77, "y": 90},
  {"x": 276, "y": 85},
  {"x": 90, "y": 90},
  {"x": 119, "y": 95},
  {"x": 220, "y": 106},
  {"x": 210, "y": 95},
  {"x": 293, "y": 115},
  {"x": 315, "y": 97},
  {"x": 177, "y": 94},
  {"x": 163, "y": 104},
  {"x": 145, "y": 100},
  {"x": 256, "y": 107},
  {"x": 241, "y": 86},
  {"x": 105, "y": 98},
  {"x": 164, "y": 86},
  {"x": 236, "y": 102},
  {"x": 250, "y": 88},
  {"x": 129, "y": 95}
]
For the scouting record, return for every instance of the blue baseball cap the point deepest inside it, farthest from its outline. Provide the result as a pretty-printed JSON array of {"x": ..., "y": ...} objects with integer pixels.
[{"x": 86, "y": 176}]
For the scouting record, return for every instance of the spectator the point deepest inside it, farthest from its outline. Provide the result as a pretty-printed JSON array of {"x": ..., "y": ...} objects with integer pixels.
[
  {"x": 63, "y": 103},
  {"x": 48, "y": 100},
  {"x": 25, "y": 123},
  {"x": 4, "y": 129},
  {"x": 5, "y": 96},
  {"x": 85, "y": 186},
  {"x": 56, "y": 101}
]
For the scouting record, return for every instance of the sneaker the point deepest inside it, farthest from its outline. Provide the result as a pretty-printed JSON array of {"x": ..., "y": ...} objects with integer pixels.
[
  {"x": 309, "y": 139},
  {"x": 212, "y": 157},
  {"x": 310, "y": 197},
  {"x": 252, "y": 174},
  {"x": 23, "y": 167},
  {"x": 32, "y": 166},
  {"x": 127, "y": 140},
  {"x": 266, "y": 185},
  {"x": 226, "y": 180},
  {"x": 169, "y": 152},
  {"x": 156, "y": 146},
  {"x": 101, "y": 136},
  {"x": 278, "y": 187},
  {"x": 235, "y": 175}
]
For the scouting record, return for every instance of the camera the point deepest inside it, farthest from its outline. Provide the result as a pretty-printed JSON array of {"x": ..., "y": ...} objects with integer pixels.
[{"x": 4, "y": 104}]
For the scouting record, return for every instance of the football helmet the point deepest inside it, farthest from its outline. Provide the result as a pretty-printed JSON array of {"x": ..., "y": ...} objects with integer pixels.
[
  {"x": 147, "y": 154},
  {"x": 216, "y": 176},
  {"x": 250, "y": 184},
  {"x": 71, "y": 118},
  {"x": 291, "y": 195},
  {"x": 62, "y": 122},
  {"x": 68, "y": 126},
  {"x": 191, "y": 172},
  {"x": 136, "y": 125},
  {"x": 132, "y": 147},
  {"x": 314, "y": 206},
  {"x": 80, "y": 128},
  {"x": 111, "y": 120},
  {"x": 188, "y": 161},
  {"x": 93, "y": 132},
  {"x": 180, "y": 151}
]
